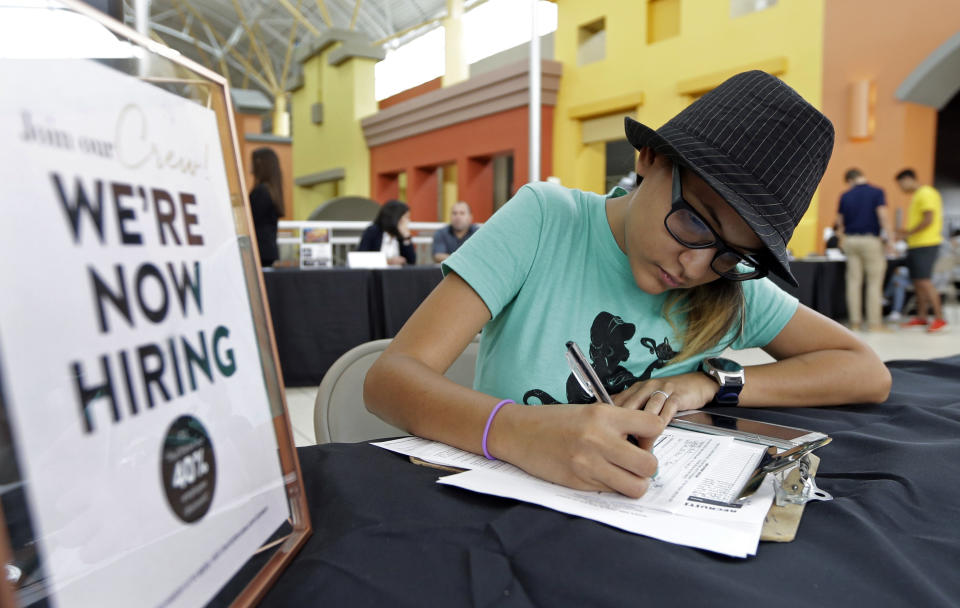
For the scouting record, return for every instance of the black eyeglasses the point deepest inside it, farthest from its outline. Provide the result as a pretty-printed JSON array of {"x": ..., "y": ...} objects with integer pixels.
[{"x": 689, "y": 229}]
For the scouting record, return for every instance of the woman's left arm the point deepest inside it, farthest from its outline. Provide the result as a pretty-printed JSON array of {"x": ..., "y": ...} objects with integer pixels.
[{"x": 818, "y": 362}]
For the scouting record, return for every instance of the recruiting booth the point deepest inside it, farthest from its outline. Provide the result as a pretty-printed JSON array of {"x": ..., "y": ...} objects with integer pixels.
[{"x": 146, "y": 456}]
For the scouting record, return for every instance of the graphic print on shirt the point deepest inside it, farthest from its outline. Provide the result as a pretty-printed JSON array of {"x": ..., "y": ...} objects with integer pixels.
[{"x": 608, "y": 349}]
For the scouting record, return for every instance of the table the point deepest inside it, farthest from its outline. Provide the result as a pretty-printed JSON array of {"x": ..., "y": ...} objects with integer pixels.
[
  {"x": 823, "y": 284},
  {"x": 320, "y": 314},
  {"x": 385, "y": 534}
]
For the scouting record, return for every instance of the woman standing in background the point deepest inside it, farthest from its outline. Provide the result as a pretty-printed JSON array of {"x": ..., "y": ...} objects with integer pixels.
[{"x": 266, "y": 203}]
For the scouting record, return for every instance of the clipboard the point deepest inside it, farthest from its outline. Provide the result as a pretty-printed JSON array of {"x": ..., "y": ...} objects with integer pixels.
[
  {"x": 781, "y": 523},
  {"x": 744, "y": 429},
  {"x": 796, "y": 465}
]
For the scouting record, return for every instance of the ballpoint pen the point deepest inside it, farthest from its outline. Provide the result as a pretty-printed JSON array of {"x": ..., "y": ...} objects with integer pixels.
[
  {"x": 585, "y": 374},
  {"x": 589, "y": 380}
]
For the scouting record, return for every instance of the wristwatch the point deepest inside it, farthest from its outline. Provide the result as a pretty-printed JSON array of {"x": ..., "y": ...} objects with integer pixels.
[{"x": 729, "y": 375}]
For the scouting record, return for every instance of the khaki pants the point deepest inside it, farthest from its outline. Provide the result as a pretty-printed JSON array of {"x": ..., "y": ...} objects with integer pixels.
[{"x": 864, "y": 256}]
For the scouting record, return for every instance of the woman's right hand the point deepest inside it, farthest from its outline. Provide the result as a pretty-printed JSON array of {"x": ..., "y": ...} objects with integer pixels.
[
  {"x": 584, "y": 447},
  {"x": 579, "y": 446}
]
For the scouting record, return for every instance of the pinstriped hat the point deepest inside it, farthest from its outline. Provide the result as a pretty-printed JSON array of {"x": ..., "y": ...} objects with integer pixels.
[{"x": 759, "y": 145}]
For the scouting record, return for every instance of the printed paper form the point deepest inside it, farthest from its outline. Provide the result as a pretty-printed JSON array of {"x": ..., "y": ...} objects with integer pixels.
[{"x": 671, "y": 510}]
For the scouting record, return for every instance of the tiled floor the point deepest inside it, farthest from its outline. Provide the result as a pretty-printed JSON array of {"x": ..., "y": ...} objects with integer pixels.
[{"x": 898, "y": 344}]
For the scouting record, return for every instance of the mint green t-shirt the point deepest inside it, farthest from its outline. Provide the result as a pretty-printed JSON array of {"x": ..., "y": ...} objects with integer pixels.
[{"x": 549, "y": 270}]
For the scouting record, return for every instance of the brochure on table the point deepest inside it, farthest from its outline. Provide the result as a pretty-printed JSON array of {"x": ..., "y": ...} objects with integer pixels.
[{"x": 129, "y": 364}]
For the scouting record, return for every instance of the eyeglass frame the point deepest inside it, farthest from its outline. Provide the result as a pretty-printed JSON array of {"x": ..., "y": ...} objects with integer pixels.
[{"x": 678, "y": 203}]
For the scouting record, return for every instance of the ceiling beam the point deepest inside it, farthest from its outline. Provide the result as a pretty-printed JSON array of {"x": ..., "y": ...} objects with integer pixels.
[
  {"x": 252, "y": 39},
  {"x": 290, "y": 44},
  {"x": 159, "y": 27},
  {"x": 187, "y": 24},
  {"x": 295, "y": 11},
  {"x": 223, "y": 52},
  {"x": 356, "y": 9},
  {"x": 322, "y": 5},
  {"x": 381, "y": 27}
]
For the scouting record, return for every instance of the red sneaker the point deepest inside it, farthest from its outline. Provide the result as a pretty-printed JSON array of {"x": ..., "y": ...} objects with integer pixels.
[
  {"x": 936, "y": 326},
  {"x": 914, "y": 322}
]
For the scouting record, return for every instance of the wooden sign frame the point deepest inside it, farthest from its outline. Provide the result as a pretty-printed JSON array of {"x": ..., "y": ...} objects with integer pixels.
[{"x": 160, "y": 66}]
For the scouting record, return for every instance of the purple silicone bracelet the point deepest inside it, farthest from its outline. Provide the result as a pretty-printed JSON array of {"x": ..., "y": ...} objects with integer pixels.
[{"x": 486, "y": 429}]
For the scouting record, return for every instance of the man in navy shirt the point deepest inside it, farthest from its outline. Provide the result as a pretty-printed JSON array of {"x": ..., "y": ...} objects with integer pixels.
[
  {"x": 863, "y": 229},
  {"x": 449, "y": 239}
]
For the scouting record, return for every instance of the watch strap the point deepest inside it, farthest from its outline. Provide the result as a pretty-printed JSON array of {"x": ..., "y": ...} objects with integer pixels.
[
  {"x": 728, "y": 386},
  {"x": 728, "y": 394}
]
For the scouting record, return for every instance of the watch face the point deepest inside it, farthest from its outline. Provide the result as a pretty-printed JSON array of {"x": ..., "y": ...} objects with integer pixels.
[{"x": 725, "y": 365}]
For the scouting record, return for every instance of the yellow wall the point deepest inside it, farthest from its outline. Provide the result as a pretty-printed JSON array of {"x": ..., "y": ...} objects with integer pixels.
[
  {"x": 709, "y": 45},
  {"x": 347, "y": 94}
]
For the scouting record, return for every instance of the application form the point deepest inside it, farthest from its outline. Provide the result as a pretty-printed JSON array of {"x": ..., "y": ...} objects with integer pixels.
[{"x": 690, "y": 501}]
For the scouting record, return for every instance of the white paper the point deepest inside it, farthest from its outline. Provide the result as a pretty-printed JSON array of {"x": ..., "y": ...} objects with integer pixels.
[{"x": 688, "y": 502}]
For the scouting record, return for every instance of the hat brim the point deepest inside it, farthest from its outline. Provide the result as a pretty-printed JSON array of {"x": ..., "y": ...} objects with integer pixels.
[{"x": 642, "y": 136}]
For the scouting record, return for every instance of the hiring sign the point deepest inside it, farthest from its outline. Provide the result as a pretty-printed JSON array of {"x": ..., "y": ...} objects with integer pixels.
[{"x": 129, "y": 365}]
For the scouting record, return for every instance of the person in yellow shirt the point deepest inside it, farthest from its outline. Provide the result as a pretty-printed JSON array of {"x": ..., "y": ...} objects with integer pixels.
[{"x": 924, "y": 233}]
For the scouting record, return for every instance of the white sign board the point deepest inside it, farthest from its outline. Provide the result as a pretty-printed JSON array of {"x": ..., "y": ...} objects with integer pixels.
[{"x": 130, "y": 367}]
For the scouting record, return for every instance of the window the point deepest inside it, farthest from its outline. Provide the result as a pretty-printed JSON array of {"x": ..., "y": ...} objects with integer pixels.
[
  {"x": 663, "y": 20},
  {"x": 592, "y": 42},
  {"x": 402, "y": 186},
  {"x": 502, "y": 180},
  {"x": 620, "y": 162}
]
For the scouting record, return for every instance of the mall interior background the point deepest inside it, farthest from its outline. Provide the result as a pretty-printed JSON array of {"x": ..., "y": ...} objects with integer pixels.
[{"x": 885, "y": 72}]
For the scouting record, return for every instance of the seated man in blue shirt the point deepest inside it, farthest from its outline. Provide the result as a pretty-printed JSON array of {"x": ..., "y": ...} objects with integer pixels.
[{"x": 449, "y": 239}]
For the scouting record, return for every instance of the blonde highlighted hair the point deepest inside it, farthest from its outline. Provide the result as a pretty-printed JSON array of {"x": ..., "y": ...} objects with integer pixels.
[{"x": 708, "y": 313}]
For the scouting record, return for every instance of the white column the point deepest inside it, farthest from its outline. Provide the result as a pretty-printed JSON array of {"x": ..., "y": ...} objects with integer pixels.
[
  {"x": 141, "y": 12},
  {"x": 534, "y": 110},
  {"x": 456, "y": 68}
]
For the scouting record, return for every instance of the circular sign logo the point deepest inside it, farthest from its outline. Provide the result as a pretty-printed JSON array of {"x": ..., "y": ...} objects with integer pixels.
[{"x": 188, "y": 469}]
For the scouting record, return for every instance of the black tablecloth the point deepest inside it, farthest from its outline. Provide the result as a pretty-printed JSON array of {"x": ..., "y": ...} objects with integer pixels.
[
  {"x": 385, "y": 534},
  {"x": 823, "y": 284},
  {"x": 319, "y": 315}
]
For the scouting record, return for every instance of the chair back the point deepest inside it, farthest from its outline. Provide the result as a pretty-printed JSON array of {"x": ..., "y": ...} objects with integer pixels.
[{"x": 340, "y": 414}]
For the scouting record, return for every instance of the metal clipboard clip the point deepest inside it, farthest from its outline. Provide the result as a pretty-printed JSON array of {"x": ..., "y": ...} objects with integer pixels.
[{"x": 799, "y": 488}]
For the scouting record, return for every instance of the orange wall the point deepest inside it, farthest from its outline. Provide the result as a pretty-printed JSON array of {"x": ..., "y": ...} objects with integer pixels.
[
  {"x": 880, "y": 40},
  {"x": 462, "y": 144},
  {"x": 431, "y": 85},
  {"x": 252, "y": 124}
]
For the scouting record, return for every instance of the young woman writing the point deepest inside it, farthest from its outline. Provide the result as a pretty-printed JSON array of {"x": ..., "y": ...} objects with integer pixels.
[{"x": 657, "y": 282}]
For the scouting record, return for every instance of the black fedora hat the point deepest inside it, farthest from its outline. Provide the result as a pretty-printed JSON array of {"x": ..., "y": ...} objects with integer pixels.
[{"x": 759, "y": 145}]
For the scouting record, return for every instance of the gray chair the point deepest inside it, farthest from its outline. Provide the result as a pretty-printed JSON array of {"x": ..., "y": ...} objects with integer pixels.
[{"x": 339, "y": 414}]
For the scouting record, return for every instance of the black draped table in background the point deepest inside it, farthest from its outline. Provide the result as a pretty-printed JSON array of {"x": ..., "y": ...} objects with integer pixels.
[
  {"x": 319, "y": 315},
  {"x": 385, "y": 534},
  {"x": 823, "y": 284}
]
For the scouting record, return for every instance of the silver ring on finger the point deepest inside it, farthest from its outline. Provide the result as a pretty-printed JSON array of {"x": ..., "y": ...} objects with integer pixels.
[{"x": 665, "y": 394}]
